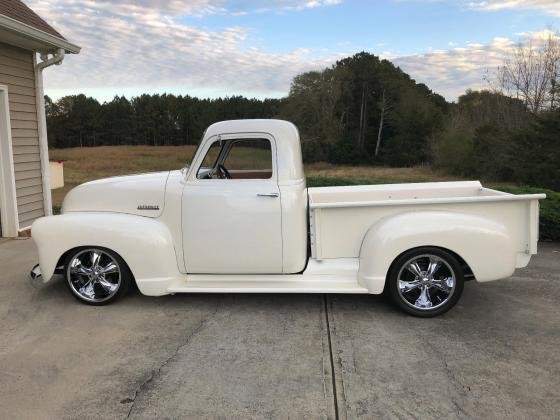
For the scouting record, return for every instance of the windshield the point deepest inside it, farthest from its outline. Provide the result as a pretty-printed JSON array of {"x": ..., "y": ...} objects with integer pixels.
[{"x": 188, "y": 164}]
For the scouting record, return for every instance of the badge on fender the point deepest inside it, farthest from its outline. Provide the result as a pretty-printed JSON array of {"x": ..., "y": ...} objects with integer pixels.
[{"x": 148, "y": 207}]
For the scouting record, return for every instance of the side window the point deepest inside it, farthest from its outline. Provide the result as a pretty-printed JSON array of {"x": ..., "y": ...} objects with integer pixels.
[
  {"x": 209, "y": 160},
  {"x": 249, "y": 159}
]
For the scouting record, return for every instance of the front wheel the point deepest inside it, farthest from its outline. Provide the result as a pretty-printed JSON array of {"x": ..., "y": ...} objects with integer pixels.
[
  {"x": 426, "y": 282},
  {"x": 96, "y": 276}
]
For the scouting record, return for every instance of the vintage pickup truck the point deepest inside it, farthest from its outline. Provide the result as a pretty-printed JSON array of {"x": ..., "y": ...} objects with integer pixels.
[{"x": 241, "y": 219}]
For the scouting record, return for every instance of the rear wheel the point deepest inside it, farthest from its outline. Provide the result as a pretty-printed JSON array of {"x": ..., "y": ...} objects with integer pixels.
[
  {"x": 96, "y": 276},
  {"x": 426, "y": 281}
]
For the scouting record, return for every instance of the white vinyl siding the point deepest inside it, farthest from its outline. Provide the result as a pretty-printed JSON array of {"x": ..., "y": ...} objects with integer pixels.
[{"x": 17, "y": 72}]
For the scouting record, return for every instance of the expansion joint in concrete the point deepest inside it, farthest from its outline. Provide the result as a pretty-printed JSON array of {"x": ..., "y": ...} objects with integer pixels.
[
  {"x": 328, "y": 320},
  {"x": 145, "y": 385}
]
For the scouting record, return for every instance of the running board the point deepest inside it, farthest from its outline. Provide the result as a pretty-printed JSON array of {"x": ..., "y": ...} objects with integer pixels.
[
  {"x": 328, "y": 276},
  {"x": 274, "y": 286}
]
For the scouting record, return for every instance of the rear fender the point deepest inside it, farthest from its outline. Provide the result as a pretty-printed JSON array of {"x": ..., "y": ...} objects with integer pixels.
[
  {"x": 485, "y": 245},
  {"x": 145, "y": 244}
]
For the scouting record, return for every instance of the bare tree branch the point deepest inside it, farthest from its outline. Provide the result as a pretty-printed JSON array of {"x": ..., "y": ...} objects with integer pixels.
[{"x": 530, "y": 72}]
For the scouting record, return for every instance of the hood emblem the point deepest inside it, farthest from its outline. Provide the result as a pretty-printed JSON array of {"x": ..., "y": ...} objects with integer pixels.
[{"x": 148, "y": 207}]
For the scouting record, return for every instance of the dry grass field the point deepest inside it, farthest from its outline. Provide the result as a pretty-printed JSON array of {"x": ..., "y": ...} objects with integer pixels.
[
  {"x": 89, "y": 163},
  {"x": 86, "y": 164}
]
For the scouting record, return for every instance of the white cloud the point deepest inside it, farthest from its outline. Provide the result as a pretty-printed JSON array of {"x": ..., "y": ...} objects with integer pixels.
[
  {"x": 139, "y": 45},
  {"x": 547, "y": 6},
  {"x": 147, "y": 46},
  {"x": 451, "y": 72},
  {"x": 247, "y": 6}
]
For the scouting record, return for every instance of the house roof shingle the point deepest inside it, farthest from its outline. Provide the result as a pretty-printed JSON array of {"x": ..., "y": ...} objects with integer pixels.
[{"x": 17, "y": 10}]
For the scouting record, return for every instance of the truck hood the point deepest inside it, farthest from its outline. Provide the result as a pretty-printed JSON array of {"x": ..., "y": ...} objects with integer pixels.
[{"x": 143, "y": 195}]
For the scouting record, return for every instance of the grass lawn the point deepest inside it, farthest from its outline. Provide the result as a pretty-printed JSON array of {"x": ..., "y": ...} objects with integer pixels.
[{"x": 86, "y": 164}]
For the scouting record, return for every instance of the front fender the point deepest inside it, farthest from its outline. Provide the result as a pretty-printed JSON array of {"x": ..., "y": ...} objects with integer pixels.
[
  {"x": 485, "y": 245},
  {"x": 145, "y": 244}
]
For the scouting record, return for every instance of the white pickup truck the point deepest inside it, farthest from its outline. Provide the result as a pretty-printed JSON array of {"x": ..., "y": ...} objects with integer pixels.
[{"x": 241, "y": 219}]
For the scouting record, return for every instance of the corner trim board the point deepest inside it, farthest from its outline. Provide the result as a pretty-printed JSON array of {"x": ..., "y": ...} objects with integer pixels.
[{"x": 8, "y": 200}]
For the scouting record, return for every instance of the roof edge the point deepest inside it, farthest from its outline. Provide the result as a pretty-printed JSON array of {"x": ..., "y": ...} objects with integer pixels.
[{"x": 37, "y": 34}]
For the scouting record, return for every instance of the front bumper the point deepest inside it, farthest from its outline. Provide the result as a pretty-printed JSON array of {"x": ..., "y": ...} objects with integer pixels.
[{"x": 35, "y": 277}]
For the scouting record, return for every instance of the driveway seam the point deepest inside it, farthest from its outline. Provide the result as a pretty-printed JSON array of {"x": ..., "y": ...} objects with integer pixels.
[
  {"x": 326, "y": 364},
  {"x": 334, "y": 376},
  {"x": 459, "y": 386},
  {"x": 156, "y": 372}
]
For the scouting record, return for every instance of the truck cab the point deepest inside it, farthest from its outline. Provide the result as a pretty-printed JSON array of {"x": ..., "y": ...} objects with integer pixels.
[{"x": 251, "y": 213}]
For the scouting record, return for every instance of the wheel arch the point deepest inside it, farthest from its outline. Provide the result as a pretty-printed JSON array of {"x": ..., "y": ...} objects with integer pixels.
[
  {"x": 144, "y": 244},
  {"x": 482, "y": 246}
]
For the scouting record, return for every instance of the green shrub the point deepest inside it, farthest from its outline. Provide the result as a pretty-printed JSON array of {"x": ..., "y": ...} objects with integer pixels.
[
  {"x": 536, "y": 152},
  {"x": 453, "y": 152},
  {"x": 549, "y": 226},
  {"x": 333, "y": 181},
  {"x": 313, "y": 151},
  {"x": 492, "y": 148},
  {"x": 347, "y": 153}
]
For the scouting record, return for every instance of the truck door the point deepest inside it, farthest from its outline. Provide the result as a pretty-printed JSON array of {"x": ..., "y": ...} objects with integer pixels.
[{"x": 231, "y": 208}]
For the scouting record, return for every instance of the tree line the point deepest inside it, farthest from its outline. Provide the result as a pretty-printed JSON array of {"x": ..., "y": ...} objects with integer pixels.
[
  {"x": 361, "y": 110},
  {"x": 155, "y": 120}
]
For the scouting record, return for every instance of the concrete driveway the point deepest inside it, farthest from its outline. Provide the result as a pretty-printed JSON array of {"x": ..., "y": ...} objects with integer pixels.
[{"x": 275, "y": 356}]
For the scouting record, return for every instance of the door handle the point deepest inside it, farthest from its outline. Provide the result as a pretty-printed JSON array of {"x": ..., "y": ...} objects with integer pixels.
[{"x": 273, "y": 195}]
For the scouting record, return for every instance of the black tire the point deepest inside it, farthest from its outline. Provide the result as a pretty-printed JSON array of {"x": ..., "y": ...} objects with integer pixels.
[
  {"x": 418, "y": 292},
  {"x": 74, "y": 280}
]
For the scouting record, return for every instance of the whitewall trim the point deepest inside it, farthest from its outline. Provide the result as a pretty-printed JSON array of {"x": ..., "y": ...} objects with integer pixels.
[{"x": 8, "y": 199}]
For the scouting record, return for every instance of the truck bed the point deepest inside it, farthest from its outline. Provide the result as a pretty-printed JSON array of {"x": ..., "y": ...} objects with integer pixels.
[
  {"x": 341, "y": 216},
  {"x": 391, "y": 194}
]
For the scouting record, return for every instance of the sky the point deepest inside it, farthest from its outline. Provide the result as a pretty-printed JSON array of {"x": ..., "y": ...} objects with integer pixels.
[{"x": 217, "y": 48}]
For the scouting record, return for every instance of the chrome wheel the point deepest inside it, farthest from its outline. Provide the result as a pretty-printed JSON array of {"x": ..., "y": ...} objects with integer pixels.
[
  {"x": 426, "y": 282},
  {"x": 93, "y": 275}
]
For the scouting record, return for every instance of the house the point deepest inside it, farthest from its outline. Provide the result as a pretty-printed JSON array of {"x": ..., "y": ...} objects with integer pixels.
[{"x": 28, "y": 45}]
